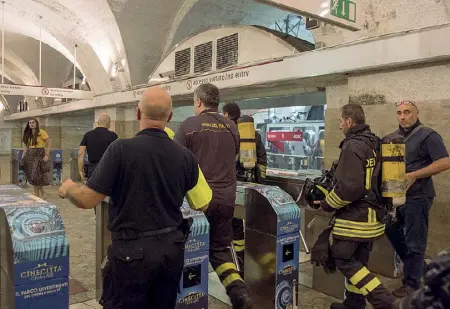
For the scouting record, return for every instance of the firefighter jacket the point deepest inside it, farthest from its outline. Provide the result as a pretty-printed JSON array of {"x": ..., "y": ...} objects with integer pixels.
[{"x": 354, "y": 194}]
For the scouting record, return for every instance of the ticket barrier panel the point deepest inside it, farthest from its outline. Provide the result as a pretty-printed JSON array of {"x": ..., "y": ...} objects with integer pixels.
[
  {"x": 194, "y": 281},
  {"x": 34, "y": 253},
  {"x": 74, "y": 173},
  {"x": 17, "y": 173},
  {"x": 56, "y": 167},
  {"x": 272, "y": 224}
]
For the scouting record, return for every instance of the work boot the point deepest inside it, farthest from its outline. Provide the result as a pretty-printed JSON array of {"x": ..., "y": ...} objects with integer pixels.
[
  {"x": 240, "y": 298},
  {"x": 338, "y": 306},
  {"x": 402, "y": 291}
]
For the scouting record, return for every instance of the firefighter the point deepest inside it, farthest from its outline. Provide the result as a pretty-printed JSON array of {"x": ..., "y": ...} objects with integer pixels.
[
  {"x": 356, "y": 224},
  {"x": 232, "y": 111},
  {"x": 215, "y": 142}
]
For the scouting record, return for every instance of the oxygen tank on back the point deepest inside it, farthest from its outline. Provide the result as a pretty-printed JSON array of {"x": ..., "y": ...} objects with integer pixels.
[
  {"x": 393, "y": 184},
  {"x": 247, "y": 147}
]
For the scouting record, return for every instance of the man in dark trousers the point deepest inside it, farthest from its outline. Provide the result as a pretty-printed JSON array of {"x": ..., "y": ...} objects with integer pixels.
[
  {"x": 95, "y": 143},
  {"x": 232, "y": 111},
  {"x": 357, "y": 206},
  {"x": 215, "y": 142},
  {"x": 426, "y": 156},
  {"x": 146, "y": 178}
]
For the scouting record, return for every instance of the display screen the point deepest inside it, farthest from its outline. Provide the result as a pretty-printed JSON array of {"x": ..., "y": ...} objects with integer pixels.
[
  {"x": 288, "y": 252},
  {"x": 192, "y": 276}
]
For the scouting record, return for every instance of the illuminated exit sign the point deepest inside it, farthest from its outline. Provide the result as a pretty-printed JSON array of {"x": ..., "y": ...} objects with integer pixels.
[{"x": 346, "y": 14}]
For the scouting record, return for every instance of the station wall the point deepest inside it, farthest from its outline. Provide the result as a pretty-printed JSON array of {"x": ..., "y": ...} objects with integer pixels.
[{"x": 377, "y": 92}]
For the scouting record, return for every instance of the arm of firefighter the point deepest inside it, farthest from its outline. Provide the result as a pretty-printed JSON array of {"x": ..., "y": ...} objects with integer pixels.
[
  {"x": 350, "y": 180},
  {"x": 200, "y": 194},
  {"x": 261, "y": 156}
]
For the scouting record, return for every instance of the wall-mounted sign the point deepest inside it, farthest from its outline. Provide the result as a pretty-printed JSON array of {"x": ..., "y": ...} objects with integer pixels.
[
  {"x": 36, "y": 91},
  {"x": 342, "y": 13},
  {"x": 285, "y": 136}
]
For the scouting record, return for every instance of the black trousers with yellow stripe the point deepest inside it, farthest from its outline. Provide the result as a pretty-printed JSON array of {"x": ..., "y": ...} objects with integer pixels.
[
  {"x": 220, "y": 219},
  {"x": 351, "y": 259},
  {"x": 239, "y": 242}
]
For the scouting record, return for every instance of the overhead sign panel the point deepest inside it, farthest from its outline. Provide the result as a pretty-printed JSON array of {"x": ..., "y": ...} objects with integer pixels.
[
  {"x": 342, "y": 13},
  {"x": 36, "y": 91}
]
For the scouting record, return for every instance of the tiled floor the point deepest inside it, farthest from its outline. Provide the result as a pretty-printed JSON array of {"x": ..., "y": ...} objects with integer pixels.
[{"x": 80, "y": 227}]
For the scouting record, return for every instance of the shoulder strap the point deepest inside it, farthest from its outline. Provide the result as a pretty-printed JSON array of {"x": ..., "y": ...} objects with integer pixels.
[
  {"x": 414, "y": 131},
  {"x": 232, "y": 134}
]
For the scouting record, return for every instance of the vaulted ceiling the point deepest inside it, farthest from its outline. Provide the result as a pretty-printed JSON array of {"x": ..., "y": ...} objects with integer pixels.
[{"x": 130, "y": 36}]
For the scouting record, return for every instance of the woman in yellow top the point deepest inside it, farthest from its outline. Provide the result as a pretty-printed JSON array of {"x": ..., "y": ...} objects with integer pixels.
[{"x": 36, "y": 156}]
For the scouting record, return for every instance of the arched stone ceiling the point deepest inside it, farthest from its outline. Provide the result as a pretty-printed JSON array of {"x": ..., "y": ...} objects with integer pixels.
[
  {"x": 133, "y": 33},
  {"x": 88, "y": 23}
]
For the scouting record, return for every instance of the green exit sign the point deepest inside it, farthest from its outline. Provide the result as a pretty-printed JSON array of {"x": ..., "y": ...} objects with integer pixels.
[{"x": 344, "y": 9}]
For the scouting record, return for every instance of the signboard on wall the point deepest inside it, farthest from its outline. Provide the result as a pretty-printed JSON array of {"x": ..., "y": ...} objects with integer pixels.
[
  {"x": 36, "y": 91},
  {"x": 346, "y": 14},
  {"x": 285, "y": 136}
]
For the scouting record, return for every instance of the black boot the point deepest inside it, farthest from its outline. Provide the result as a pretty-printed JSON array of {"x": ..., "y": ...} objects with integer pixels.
[
  {"x": 240, "y": 298},
  {"x": 337, "y": 306}
]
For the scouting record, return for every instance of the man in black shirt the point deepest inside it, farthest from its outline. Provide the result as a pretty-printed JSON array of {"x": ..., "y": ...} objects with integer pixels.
[
  {"x": 146, "y": 177},
  {"x": 95, "y": 143}
]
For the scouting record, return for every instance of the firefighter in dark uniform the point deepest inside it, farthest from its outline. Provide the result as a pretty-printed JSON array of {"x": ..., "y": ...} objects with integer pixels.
[
  {"x": 358, "y": 211},
  {"x": 215, "y": 141},
  {"x": 146, "y": 178},
  {"x": 232, "y": 111}
]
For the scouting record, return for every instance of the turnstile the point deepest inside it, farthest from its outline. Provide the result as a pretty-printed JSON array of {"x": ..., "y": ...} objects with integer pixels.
[
  {"x": 272, "y": 224},
  {"x": 17, "y": 174},
  {"x": 57, "y": 166},
  {"x": 74, "y": 173},
  {"x": 34, "y": 253},
  {"x": 194, "y": 281}
]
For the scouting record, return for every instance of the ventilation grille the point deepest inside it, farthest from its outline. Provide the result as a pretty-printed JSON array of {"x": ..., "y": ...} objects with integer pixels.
[
  {"x": 183, "y": 62},
  {"x": 203, "y": 58},
  {"x": 227, "y": 51}
]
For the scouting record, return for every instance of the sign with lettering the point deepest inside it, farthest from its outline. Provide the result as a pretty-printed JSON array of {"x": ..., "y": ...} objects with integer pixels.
[
  {"x": 36, "y": 91},
  {"x": 285, "y": 136},
  {"x": 39, "y": 251},
  {"x": 342, "y": 13}
]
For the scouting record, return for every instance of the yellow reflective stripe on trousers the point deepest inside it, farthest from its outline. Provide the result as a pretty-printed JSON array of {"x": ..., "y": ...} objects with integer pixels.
[
  {"x": 238, "y": 248},
  {"x": 230, "y": 279},
  {"x": 358, "y": 225},
  {"x": 240, "y": 242},
  {"x": 199, "y": 196},
  {"x": 224, "y": 267},
  {"x": 352, "y": 289},
  {"x": 358, "y": 233},
  {"x": 263, "y": 170},
  {"x": 360, "y": 275},
  {"x": 372, "y": 285},
  {"x": 372, "y": 215}
]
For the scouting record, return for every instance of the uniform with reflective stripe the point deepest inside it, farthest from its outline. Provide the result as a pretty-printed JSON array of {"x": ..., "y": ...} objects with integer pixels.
[{"x": 352, "y": 196}]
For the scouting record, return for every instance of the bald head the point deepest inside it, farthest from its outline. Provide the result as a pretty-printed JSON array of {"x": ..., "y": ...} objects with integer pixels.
[
  {"x": 156, "y": 105},
  {"x": 104, "y": 120}
]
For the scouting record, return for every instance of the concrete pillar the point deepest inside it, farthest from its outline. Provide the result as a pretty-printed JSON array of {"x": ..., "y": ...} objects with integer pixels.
[
  {"x": 377, "y": 92},
  {"x": 123, "y": 120},
  {"x": 52, "y": 125}
]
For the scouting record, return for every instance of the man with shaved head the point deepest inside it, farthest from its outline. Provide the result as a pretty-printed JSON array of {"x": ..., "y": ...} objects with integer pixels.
[
  {"x": 426, "y": 156},
  {"x": 146, "y": 178},
  {"x": 95, "y": 143}
]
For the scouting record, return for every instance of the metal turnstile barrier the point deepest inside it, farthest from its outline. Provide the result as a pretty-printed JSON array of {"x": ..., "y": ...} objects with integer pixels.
[
  {"x": 57, "y": 167},
  {"x": 17, "y": 174},
  {"x": 34, "y": 253},
  {"x": 74, "y": 174},
  {"x": 194, "y": 280},
  {"x": 272, "y": 240}
]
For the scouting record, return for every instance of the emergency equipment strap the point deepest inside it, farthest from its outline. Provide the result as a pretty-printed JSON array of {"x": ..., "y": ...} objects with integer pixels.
[
  {"x": 414, "y": 131},
  {"x": 236, "y": 144}
]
